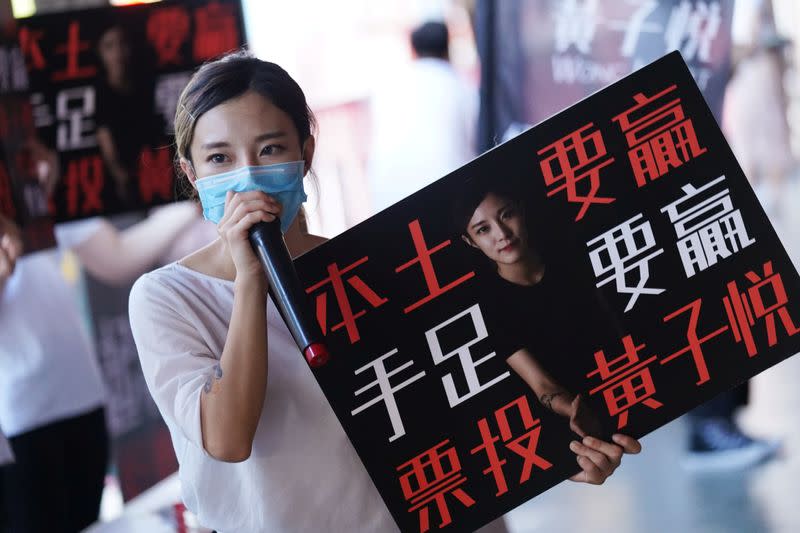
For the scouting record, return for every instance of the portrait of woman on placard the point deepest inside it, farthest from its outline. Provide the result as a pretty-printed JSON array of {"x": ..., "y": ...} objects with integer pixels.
[
  {"x": 126, "y": 120},
  {"x": 533, "y": 316}
]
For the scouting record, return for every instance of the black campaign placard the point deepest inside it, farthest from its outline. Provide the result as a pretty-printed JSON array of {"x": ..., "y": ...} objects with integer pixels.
[
  {"x": 663, "y": 284},
  {"x": 104, "y": 86}
]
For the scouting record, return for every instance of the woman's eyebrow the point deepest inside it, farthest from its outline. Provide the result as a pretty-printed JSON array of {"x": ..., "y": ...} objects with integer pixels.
[
  {"x": 270, "y": 135},
  {"x": 478, "y": 223},
  {"x": 261, "y": 138},
  {"x": 216, "y": 144}
]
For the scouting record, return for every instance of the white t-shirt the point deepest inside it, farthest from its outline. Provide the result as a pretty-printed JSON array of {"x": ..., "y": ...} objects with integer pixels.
[
  {"x": 423, "y": 127},
  {"x": 48, "y": 368},
  {"x": 303, "y": 474}
]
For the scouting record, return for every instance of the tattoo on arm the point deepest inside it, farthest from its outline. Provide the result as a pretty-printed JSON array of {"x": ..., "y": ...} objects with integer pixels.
[
  {"x": 547, "y": 399},
  {"x": 212, "y": 382}
]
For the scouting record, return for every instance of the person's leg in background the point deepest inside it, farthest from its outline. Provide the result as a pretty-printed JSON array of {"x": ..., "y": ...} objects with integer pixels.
[
  {"x": 715, "y": 440},
  {"x": 34, "y": 482},
  {"x": 56, "y": 481},
  {"x": 87, "y": 451}
]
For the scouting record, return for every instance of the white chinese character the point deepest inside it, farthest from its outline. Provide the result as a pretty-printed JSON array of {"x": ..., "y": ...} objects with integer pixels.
[
  {"x": 168, "y": 90},
  {"x": 692, "y": 29},
  {"x": 387, "y": 390},
  {"x": 620, "y": 251},
  {"x": 575, "y": 24},
  {"x": 708, "y": 229},
  {"x": 635, "y": 25},
  {"x": 74, "y": 109},
  {"x": 474, "y": 386},
  {"x": 13, "y": 75},
  {"x": 42, "y": 117}
]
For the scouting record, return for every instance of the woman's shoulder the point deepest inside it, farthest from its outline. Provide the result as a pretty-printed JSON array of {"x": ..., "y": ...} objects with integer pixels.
[{"x": 157, "y": 284}]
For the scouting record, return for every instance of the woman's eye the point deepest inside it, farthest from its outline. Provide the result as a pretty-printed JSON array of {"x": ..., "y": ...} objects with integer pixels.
[
  {"x": 482, "y": 229},
  {"x": 508, "y": 213},
  {"x": 272, "y": 149},
  {"x": 217, "y": 158}
]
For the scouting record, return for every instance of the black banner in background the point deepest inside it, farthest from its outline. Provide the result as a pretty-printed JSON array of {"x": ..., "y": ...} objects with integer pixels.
[
  {"x": 540, "y": 56},
  {"x": 104, "y": 86},
  {"x": 24, "y": 198},
  {"x": 661, "y": 285}
]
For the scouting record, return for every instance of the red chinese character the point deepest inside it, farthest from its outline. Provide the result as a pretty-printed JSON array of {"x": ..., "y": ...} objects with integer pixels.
[
  {"x": 167, "y": 29},
  {"x": 743, "y": 312},
  {"x": 660, "y": 138},
  {"x": 84, "y": 182},
  {"x": 72, "y": 49},
  {"x": 420, "y": 490},
  {"x": 695, "y": 342},
  {"x": 424, "y": 259},
  {"x": 585, "y": 151},
  {"x": 155, "y": 175},
  {"x": 215, "y": 31},
  {"x": 527, "y": 451},
  {"x": 626, "y": 381},
  {"x": 29, "y": 44},
  {"x": 348, "y": 317},
  {"x": 6, "y": 197}
]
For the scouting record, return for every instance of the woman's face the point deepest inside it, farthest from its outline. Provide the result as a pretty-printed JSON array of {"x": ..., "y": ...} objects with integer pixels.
[
  {"x": 114, "y": 49},
  {"x": 497, "y": 228},
  {"x": 245, "y": 131}
]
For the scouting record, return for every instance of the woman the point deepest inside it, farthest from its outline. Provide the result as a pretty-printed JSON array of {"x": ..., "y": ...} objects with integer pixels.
[
  {"x": 492, "y": 219},
  {"x": 259, "y": 447},
  {"x": 125, "y": 120}
]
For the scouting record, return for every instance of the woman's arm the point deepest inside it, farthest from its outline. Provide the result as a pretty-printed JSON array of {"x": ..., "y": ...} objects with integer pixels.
[
  {"x": 10, "y": 250},
  {"x": 232, "y": 399},
  {"x": 231, "y": 403},
  {"x": 119, "y": 174},
  {"x": 550, "y": 393},
  {"x": 597, "y": 458},
  {"x": 117, "y": 257}
]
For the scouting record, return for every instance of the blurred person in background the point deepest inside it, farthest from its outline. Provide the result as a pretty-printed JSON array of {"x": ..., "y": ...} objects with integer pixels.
[
  {"x": 759, "y": 137},
  {"x": 125, "y": 119},
  {"x": 423, "y": 121},
  {"x": 759, "y": 132},
  {"x": 51, "y": 388}
]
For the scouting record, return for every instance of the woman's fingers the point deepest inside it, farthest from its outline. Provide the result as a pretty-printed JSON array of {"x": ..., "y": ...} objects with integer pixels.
[
  {"x": 598, "y": 459},
  {"x": 590, "y": 473},
  {"x": 629, "y": 444},
  {"x": 605, "y": 456},
  {"x": 239, "y": 206},
  {"x": 258, "y": 204}
]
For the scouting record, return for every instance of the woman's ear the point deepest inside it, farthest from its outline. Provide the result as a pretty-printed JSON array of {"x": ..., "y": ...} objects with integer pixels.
[
  {"x": 308, "y": 153},
  {"x": 188, "y": 169},
  {"x": 467, "y": 240}
]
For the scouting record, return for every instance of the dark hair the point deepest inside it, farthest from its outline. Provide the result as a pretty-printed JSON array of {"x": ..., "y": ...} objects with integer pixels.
[
  {"x": 231, "y": 76},
  {"x": 430, "y": 40},
  {"x": 474, "y": 191}
]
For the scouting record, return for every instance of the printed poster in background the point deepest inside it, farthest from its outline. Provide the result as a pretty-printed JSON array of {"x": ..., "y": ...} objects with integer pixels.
[
  {"x": 23, "y": 195},
  {"x": 543, "y": 55},
  {"x": 71, "y": 57},
  {"x": 113, "y": 138},
  {"x": 663, "y": 284}
]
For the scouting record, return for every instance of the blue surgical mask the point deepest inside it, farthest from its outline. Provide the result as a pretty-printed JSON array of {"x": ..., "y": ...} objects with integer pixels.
[{"x": 282, "y": 181}]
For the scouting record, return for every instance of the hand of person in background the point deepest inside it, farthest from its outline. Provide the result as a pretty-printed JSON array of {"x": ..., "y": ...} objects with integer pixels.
[
  {"x": 45, "y": 165},
  {"x": 10, "y": 249}
]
